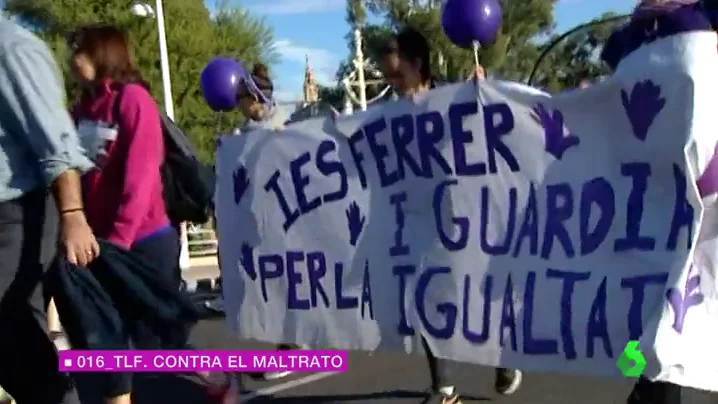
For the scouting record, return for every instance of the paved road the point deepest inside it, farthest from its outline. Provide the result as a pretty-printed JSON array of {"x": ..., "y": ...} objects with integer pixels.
[
  {"x": 386, "y": 378},
  {"x": 378, "y": 378}
]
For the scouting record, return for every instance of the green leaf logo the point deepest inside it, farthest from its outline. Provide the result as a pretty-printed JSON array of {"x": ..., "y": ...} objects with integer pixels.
[{"x": 631, "y": 362}]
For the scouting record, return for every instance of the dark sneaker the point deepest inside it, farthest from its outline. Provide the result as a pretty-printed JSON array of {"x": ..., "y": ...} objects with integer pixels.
[
  {"x": 646, "y": 391},
  {"x": 507, "y": 381},
  {"x": 289, "y": 347},
  {"x": 440, "y": 398}
]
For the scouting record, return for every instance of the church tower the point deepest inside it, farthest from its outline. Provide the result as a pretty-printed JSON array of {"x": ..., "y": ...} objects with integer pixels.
[{"x": 311, "y": 91}]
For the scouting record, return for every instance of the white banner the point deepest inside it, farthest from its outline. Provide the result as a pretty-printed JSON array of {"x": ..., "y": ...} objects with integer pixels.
[{"x": 506, "y": 227}]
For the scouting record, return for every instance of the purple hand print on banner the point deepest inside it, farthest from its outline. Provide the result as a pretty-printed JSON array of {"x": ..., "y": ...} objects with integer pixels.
[
  {"x": 557, "y": 140},
  {"x": 246, "y": 260},
  {"x": 643, "y": 106},
  {"x": 355, "y": 222},
  {"x": 682, "y": 302},
  {"x": 241, "y": 183}
]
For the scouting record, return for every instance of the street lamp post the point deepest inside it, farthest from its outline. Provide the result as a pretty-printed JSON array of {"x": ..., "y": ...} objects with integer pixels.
[
  {"x": 357, "y": 78},
  {"x": 144, "y": 10},
  {"x": 164, "y": 60},
  {"x": 359, "y": 66}
]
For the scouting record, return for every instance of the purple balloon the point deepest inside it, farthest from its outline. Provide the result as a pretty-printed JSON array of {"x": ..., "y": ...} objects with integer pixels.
[
  {"x": 220, "y": 81},
  {"x": 466, "y": 21}
]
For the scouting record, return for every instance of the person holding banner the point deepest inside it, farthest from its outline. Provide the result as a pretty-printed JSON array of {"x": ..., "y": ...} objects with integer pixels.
[
  {"x": 646, "y": 17},
  {"x": 255, "y": 99},
  {"x": 406, "y": 63},
  {"x": 261, "y": 113}
]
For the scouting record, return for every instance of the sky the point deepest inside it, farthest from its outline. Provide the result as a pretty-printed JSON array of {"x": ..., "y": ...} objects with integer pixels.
[{"x": 316, "y": 28}]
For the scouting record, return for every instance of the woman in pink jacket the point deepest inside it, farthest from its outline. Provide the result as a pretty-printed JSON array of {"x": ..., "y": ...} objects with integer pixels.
[{"x": 120, "y": 128}]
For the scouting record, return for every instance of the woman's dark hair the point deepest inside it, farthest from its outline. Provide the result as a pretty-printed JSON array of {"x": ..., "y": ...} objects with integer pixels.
[
  {"x": 390, "y": 47},
  {"x": 108, "y": 48},
  {"x": 260, "y": 75},
  {"x": 414, "y": 47}
]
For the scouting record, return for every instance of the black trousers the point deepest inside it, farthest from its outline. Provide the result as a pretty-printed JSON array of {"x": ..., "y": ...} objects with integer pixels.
[
  {"x": 161, "y": 250},
  {"x": 438, "y": 368},
  {"x": 648, "y": 392},
  {"x": 28, "y": 359}
]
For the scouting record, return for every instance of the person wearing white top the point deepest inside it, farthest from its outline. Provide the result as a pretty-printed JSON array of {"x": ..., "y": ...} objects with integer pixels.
[{"x": 405, "y": 63}]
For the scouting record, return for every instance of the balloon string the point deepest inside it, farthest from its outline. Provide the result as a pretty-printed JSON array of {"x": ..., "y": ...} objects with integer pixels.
[
  {"x": 219, "y": 123},
  {"x": 477, "y": 46}
]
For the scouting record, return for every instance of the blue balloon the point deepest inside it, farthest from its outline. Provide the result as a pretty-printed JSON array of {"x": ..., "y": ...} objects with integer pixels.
[
  {"x": 220, "y": 81},
  {"x": 466, "y": 21}
]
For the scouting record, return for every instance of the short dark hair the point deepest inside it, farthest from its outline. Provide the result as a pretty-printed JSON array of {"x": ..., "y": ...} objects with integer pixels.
[{"x": 413, "y": 46}]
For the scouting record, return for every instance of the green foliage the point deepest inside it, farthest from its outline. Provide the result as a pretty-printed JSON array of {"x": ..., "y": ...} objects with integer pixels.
[
  {"x": 527, "y": 29},
  {"x": 523, "y": 21},
  {"x": 356, "y": 13},
  {"x": 193, "y": 38},
  {"x": 575, "y": 57},
  {"x": 334, "y": 96}
]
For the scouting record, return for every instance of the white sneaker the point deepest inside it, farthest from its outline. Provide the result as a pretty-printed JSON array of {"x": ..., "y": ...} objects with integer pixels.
[
  {"x": 507, "y": 381},
  {"x": 276, "y": 375},
  {"x": 5, "y": 397},
  {"x": 60, "y": 340},
  {"x": 216, "y": 305}
]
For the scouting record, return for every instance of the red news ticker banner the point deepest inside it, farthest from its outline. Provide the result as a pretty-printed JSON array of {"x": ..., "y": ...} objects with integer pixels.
[{"x": 203, "y": 360}]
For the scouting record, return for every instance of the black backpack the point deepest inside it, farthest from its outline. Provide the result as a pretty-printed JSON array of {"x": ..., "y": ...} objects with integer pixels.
[{"x": 188, "y": 184}]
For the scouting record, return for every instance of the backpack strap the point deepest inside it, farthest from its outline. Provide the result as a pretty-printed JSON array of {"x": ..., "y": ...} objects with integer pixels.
[{"x": 116, "y": 105}]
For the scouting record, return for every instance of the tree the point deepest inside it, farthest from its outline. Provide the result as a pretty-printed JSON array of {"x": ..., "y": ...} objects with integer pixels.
[
  {"x": 235, "y": 33},
  {"x": 509, "y": 56},
  {"x": 526, "y": 31},
  {"x": 193, "y": 38},
  {"x": 333, "y": 96},
  {"x": 575, "y": 57},
  {"x": 373, "y": 36}
]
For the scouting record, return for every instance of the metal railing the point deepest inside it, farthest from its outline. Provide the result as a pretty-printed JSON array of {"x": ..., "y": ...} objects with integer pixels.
[{"x": 202, "y": 241}]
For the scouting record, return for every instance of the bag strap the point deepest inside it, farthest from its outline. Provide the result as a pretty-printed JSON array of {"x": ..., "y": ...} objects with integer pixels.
[{"x": 116, "y": 105}]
